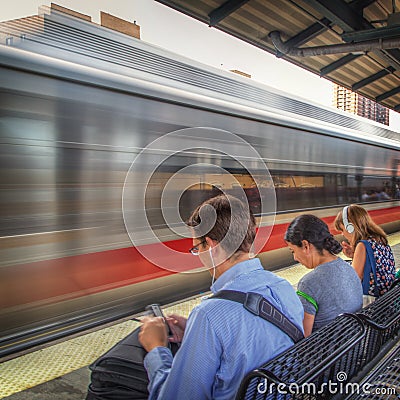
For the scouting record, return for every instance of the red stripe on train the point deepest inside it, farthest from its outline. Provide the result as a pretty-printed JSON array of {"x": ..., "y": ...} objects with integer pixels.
[{"x": 74, "y": 276}]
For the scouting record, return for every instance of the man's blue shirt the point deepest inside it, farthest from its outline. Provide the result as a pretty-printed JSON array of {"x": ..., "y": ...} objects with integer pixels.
[{"x": 223, "y": 341}]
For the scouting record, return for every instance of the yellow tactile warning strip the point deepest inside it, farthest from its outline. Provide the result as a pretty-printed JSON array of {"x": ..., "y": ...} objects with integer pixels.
[
  {"x": 293, "y": 274},
  {"x": 394, "y": 239},
  {"x": 43, "y": 365},
  {"x": 52, "y": 362}
]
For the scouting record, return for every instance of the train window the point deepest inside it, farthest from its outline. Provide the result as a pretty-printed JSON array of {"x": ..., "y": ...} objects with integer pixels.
[
  {"x": 303, "y": 191},
  {"x": 298, "y": 181},
  {"x": 294, "y": 192},
  {"x": 363, "y": 188}
]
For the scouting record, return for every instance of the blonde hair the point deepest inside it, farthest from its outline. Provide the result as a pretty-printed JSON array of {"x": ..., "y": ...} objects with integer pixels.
[{"x": 364, "y": 226}]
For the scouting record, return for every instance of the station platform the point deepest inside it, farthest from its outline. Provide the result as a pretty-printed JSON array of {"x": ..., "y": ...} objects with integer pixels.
[{"x": 60, "y": 371}]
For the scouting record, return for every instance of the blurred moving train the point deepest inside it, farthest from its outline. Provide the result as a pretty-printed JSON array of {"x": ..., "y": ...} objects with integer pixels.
[{"x": 79, "y": 102}]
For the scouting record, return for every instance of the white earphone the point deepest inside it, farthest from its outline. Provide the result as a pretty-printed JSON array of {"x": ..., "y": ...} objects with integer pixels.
[
  {"x": 213, "y": 264},
  {"x": 347, "y": 225}
]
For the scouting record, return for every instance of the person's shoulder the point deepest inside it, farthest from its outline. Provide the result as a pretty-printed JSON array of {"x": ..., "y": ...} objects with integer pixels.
[
  {"x": 201, "y": 314},
  {"x": 339, "y": 261},
  {"x": 278, "y": 285},
  {"x": 344, "y": 265},
  {"x": 344, "y": 272},
  {"x": 210, "y": 306},
  {"x": 308, "y": 280},
  {"x": 332, "y": 267},
  {"x": 309, "y": 276},
  {"x": 363, "y": 242},
  {"x": 272, "y": 277}
]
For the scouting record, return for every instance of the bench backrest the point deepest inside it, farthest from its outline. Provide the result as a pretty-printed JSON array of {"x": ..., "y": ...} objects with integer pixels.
[{"x": 330, "y": 356}]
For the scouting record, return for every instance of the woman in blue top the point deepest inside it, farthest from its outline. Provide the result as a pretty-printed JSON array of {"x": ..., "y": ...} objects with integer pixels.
[
  {"x": 332, "y": 287},
  {"x": 356, "y": 226}
]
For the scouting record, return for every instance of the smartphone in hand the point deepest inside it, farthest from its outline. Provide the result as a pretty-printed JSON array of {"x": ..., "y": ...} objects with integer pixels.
[{"x": 155, "y": 309}]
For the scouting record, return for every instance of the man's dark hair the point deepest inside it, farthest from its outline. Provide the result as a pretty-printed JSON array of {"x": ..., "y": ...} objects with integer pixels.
[{"x": 234, "y": 227}]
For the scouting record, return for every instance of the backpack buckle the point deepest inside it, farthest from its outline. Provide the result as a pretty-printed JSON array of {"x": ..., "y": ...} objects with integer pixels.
[{"x": 252, "y": 302}]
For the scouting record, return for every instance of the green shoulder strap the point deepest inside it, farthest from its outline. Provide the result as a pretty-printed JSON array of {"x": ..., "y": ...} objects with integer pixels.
[{"x": 309, "y": 299}]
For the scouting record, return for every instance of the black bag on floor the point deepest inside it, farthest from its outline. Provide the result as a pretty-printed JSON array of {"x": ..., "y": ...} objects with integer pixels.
[{"x": 119, "y": 373}]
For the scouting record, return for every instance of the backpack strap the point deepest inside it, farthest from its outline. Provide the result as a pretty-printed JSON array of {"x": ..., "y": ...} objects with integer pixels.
[
  {"x": 258, "y": 305},
  {"x": 370, "y": 266}
]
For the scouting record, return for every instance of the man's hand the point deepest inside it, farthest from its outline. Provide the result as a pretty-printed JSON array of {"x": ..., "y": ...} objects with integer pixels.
[
  {"x": 153, "y": 333},
  {"x": 177, "y": 325}
]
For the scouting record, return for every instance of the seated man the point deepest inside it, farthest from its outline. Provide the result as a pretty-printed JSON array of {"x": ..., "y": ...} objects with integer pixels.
[{"x": 222, "y": 341}]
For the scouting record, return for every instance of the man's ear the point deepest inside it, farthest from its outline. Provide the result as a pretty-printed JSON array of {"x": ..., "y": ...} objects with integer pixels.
[
  {"x": 210, "y": 242},
  {"x": 305, "y": 244},
  {"x": 214, "y": 245}
]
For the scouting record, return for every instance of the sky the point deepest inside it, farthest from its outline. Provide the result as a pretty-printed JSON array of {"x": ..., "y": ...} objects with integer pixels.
[{"x": 174, "y": 31}]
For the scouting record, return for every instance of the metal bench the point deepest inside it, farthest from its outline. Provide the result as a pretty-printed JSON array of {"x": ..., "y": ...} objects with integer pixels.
[
  {"x": 323, "y": 365},
  {"x": 383, "y": 382},
  {"x": 382, "y": 319},
  {"x": 331, "y": 354}
]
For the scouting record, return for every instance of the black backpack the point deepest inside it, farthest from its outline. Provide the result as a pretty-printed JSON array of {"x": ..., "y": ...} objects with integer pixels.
[{"x": 119, "y": 374}]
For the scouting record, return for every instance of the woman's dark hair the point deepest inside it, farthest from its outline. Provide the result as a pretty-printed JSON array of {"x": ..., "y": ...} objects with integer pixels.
[{"x": 315, "y": 231}]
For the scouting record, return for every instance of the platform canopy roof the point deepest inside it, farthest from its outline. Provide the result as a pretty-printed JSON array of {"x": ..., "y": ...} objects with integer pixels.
[{"x": 355, "y": 43}]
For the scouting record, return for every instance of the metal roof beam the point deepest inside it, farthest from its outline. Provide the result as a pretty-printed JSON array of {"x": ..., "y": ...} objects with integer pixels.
[
  {"x": 337, "y": 64},
  {"x": 395, "y": 55},
  {"x": 340, "y": 13},
  {"x": 322, "y": 25},
  {"x": 304, "y": 36},
  {"x": 349, "y": 19},
  {"x": 224, "y": 10},
  {"x": 359, "y": 5},
  {"x": 390, "y": 93},
  {"x": 370, "y": 34},
  {"x": 372, "y": 78},
  {"x": 362, "y": 47},
  {"x": 309, "y": 33}
]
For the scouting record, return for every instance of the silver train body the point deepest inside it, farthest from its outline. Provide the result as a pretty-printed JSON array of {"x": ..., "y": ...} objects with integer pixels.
[{"x": 76, "y": 110}]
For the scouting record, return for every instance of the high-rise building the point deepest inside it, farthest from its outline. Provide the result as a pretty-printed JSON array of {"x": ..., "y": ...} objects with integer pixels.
[{"x": 346, "y": 100}]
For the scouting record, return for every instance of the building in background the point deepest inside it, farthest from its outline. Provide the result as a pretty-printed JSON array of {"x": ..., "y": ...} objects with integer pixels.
[
  {"x": 346, "y": 100},
  {"x": 236, "y": 71},
  {"x": 11, "y": 32}
]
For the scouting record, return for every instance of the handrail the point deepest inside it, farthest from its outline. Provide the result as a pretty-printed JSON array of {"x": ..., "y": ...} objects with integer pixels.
[{"x": 377, "y": 326}]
